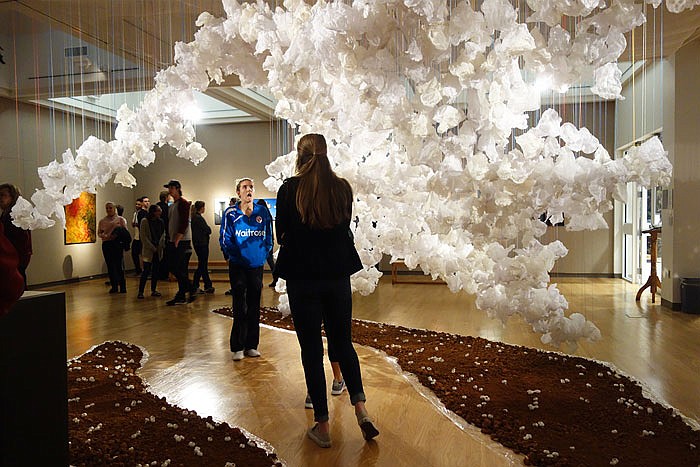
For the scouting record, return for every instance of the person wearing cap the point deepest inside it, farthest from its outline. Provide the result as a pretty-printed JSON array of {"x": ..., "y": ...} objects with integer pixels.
[
  {"x": 246, "y": 240},
  {"x": 179, "y": 243}
]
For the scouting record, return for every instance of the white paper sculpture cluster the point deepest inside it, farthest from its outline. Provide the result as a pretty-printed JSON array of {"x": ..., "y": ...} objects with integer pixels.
[{"x": 420, "y": 100}]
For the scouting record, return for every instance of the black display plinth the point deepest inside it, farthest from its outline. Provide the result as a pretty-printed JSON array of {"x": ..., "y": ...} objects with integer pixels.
[{"x": 33, "y": 382}]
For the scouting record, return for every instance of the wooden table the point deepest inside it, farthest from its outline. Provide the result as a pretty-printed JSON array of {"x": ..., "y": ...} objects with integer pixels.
[{"x": 653, "y": 280}]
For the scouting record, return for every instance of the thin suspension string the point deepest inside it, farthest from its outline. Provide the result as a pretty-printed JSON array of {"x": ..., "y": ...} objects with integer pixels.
[
  {"x": 19, "y": 159},
  {"x": 645, "y": 129},
  {"x": 661, "y": 49},
  {"x": 74, "y": 76},
  {"x": 654, "y": 63},
  {"x": 51, "y": 93},
  {"x": 634, "y": 94},
  {"x": 37, "y": 107},
  {"x": 98, "y": 84}
]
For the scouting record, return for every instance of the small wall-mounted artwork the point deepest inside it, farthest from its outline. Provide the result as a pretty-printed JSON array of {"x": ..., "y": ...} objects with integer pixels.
[
  {"x": 81, "y": 221},
  {"x": 220, "y": 206}
]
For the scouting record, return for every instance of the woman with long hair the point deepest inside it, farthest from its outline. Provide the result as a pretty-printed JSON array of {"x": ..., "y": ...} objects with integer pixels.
[{"x": 317, "y": 256}]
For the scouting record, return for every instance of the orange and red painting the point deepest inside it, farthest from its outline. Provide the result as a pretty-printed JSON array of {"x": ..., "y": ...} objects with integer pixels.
[{"x": 81, "y": 224}]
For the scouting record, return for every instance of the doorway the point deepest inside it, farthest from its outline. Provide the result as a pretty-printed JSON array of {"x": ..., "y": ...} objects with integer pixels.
[{"x": 641, "y": 212}]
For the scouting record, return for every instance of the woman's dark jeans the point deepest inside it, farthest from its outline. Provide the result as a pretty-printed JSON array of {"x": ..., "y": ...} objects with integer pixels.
[
  {"x": 327, "y": 301},
  {"x": 202, "y": 267}
]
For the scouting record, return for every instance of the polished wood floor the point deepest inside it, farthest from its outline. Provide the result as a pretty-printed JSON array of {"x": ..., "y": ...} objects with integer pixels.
[{"x": 189, "y": 363}]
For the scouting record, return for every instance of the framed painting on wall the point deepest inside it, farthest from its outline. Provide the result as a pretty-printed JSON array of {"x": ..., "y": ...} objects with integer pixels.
[
  {"x": 81, "y": 222},
  {"x": 220, "y": 206}
]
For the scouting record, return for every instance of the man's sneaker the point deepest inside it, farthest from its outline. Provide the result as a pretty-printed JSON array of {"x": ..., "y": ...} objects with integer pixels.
[
  {"x": 200, "y": 292},
  {"x": 237, "y": 356},
  {"x": 140, "y": 295},
  {"x": 252, "y": 353},
  {"x": 338, "y": 387},
  {"x": 176, "y": 301},
  {"x": 155, "y": 293},
  {"x": 192, "y": 298},
  {"x": 308, "y": 404},
  {"x": 209, "y": 290}
]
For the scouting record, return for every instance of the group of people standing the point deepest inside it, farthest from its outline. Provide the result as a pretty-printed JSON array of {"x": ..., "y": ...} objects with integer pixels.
[
  {"x": 317, "y": 256},
  {"x": 164, "y": 235}
]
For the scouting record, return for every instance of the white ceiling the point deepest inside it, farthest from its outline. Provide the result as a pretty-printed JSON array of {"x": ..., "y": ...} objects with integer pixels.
[
  {"x": 209, "y": 109},
  {"x": 54, "y": 58},
  {"x": 128, "y": 41}
]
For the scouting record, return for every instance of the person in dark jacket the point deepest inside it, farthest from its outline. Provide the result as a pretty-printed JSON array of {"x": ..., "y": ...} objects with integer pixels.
[
  {"x": 316, "y": 258},
  {"x": 246, "y": 240},
  {"x": 163, "y": 203},
  {"x": 179, "y": 247},
  {"x": 136, "y": 239},
  {"x": 201, "y": 232},
  {"x": 21, "y": 239},
  {"x": 152, "y": 232}
]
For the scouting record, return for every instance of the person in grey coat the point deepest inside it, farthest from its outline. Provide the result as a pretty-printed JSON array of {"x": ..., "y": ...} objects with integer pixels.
[{"x": 152, "y": 233}]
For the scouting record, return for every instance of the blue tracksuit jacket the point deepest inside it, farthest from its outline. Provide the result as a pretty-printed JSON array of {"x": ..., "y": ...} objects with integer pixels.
[{"x": 246, "y": 241}]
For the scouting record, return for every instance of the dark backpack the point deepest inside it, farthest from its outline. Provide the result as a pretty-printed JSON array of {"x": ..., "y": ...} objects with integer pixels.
[{"x": 123, "y": 237}]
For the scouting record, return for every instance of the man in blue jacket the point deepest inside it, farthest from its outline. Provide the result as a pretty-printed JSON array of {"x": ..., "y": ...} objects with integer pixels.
[{"x": 246, "y": 240}]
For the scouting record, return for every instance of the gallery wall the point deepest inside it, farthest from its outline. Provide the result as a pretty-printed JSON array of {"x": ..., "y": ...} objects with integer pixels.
[
  {"x": 665, "y": 96},
  {"x": 590, "y": 252},
  {"x": 234, "y": 151},
  {"x": 35, "y": 135},
  {"x": 32, "y": 137},
  {"x": 683, "y": 223}
]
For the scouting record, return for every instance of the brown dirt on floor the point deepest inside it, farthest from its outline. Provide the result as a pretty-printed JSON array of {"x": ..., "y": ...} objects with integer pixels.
[
  {"x": 114, "y": 420},
  {"x": 557, "y": 410}
]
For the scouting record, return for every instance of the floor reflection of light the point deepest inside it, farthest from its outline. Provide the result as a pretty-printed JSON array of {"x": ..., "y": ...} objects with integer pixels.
[{"x": 200, "y": 398}]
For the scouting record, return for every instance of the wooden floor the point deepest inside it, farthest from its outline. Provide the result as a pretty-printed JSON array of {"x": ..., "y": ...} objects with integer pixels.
[{"x": 189, "y": 363}]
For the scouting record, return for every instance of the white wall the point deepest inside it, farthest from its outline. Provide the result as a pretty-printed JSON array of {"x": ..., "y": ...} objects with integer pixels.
[
  {"x": 234, "y": 151},
  {"x": 642, "y": 110},
  {"x": 8, "y": 58},
  {"x": 36, "y": 135},
  {"x": 686, "y": 175},
  {"x": 666, "y": 96},
  {"x": 32, "y": 137},
  {"x": 590, "y": 252}
]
